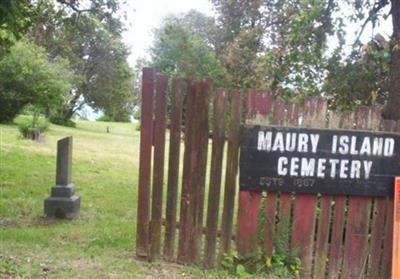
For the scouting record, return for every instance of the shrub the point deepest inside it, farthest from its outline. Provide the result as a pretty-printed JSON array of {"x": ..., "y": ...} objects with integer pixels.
[
  {"x": 104, "y": 118},
  {"x": 259, "y": 264},
  {"x": 137, "y": 126},
  {"x": 28, "y": 76},
  {"x": 27, "y": 126},
  {"x": 59, "y": 120}
]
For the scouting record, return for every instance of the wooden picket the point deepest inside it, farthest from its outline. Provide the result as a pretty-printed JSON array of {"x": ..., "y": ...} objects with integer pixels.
[
  {"x": 335, "y": 236},
  {"x": 158, "y": 170},
  {"x": 396, "y": 231},
  {"x": 230, "y": 174},
  {"x": 173, "y": 169},
  {"x": 215, "y": 177},
  {"x": 146, "y": 138}
]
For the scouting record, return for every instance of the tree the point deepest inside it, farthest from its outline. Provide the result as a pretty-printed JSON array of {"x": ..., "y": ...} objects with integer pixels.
[
  {"x": 14, "y": 22},
  {"x": 275, "y": 44},
  {"x": 392, "y": 108},
  {"x": 177, "y": 50},
  {"x": 361, "y": 79},
  {"x": 89, "y": 36},
  {"x": 240, "y": 31},
  {"x": 27, "y": 76},
  {"x": 380, "y": 64},
  {"x": 282, "y": 45}
]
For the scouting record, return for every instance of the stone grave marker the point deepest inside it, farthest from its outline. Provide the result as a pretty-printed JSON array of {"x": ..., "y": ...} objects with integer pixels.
[{"x": 63, "y": 202}]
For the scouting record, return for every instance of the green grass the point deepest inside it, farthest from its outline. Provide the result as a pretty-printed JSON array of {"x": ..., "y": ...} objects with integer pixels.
[{"x": 101, "y": 243}]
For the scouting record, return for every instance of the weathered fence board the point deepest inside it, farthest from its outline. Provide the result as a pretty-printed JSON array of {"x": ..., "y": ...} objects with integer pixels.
[
  {"x": 324, "y": 221},
  {"x": 278, "y": 211},
  {"x": 322, "y": 240},
  {"x": 396, "y": 231},
  {"x": 285, "y": 199},
  {"x": 231, "y": 174},
  {"x": 158, "y": 170},
  {"x": 259, "y": 107},
  {"x": 202, "y": 115},
  {"x": 377, "y": 227},
  {"x": 388, "y": 242},
  {"x": 189, "y": 166},
  {"x": 338, "y": 219},
  {"x": 173, "y": 168},
  {"x": 335, "y": 236},
  {"x": 195, "y": 157},
  {"x": 386, "y": 266},
  {"x": 146, "y": 133},
  {"x": 269, "y": 228},
  {"x": 356, "y": 239},
  {"x": 306, "y": 204},
  {"x": 215, "y": 177}
]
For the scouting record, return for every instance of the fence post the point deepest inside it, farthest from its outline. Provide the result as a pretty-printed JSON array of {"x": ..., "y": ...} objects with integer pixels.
[
  {"x": 230, "y": 174},
  {"x": 356, "y": 237},
  {"x": 304, "y": 212},
  {"x": 396, "y": 231},
  {"x": 259, "y": 109},
  {"x": 173, "y": 168},
  {"x": 218, "y": 141},
  {"x": 194, "y": 170},
  {"x": 158, "y": 162},
  {"x": 146, "y": 134}
]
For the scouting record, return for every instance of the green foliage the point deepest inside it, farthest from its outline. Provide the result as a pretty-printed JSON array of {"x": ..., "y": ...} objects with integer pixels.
[
  {"x": 107, "y": 118},
  {"x": 90, "y": 39},
  {"x": 15, "y": 18},
  {"x": 27, "y": 76},
  {"x": 27, "y": 125},
  {"x": 59, "y": 119},
  {"x": 362, "y": 79},
  {"x": 277, "y": 45},
  {"x": 104, "y": 118},
  {"x": 9, "y": 268},
  {"x": 177, "y": 50},
  {"x": 259, "y": 264},
  {"x": 137, "y": 126},
  {"x": 283, "y": 263}
]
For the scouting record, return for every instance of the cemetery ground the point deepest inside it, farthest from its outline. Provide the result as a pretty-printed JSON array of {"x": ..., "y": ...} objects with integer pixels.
[{"x": 100, "y": 243}]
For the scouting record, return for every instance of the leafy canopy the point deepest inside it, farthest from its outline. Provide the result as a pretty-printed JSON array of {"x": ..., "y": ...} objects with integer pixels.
[
  {"x": 27, "y": 76},
  {"x": 88, "y": 35},
  {"x": 178, "y": 51}
]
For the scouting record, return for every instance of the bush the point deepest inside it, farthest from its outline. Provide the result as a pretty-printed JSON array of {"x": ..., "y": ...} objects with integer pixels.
[
  {"x": 28, "y": 76},
  {"x": 28, "y": 128},
  {"x": 137, "y": 126},
  {"x": 122, "y": 117},
  {"x": 59, "y": 120},
  {"x": 104, "y": 118},
  {"x": 259, "y": 264}
]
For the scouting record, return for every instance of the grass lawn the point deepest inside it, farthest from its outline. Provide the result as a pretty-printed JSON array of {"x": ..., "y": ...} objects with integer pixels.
[{"x": 101, "y": 243}]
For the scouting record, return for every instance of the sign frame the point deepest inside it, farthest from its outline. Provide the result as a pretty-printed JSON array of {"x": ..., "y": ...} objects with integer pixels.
[{"x": 262, "y": 167}]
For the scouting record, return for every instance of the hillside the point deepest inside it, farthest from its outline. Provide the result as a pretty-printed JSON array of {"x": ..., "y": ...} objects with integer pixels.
[{"x": 100, "y": 244}]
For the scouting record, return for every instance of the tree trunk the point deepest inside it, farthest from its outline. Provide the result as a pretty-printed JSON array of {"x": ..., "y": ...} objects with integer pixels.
[{"x": 392, "y": 109}]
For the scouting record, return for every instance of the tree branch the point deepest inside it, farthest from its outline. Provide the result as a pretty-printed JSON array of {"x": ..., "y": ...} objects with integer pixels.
[
  {"x": 379, "y": 5},
  {"x": 73, "y": 6}
]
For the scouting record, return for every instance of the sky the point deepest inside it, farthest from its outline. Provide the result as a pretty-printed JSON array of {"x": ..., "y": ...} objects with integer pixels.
[{"x": 145, "y": 15}]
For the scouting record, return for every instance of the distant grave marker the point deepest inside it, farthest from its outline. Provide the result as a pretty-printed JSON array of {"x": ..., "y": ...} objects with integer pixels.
[{"x": 63, "y": 203}]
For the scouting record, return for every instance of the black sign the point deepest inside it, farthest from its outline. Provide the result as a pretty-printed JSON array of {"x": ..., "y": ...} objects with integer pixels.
[{"x": 319, "y": 161}]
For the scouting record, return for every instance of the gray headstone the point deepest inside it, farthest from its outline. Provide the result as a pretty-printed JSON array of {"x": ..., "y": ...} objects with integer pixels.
[
  {"x": 64, "y": 161},
  {"x": 63, "y": 202}
]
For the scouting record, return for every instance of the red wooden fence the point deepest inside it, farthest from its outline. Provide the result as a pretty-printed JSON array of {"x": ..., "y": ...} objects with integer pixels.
[{"x": 334, "y": 236}]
